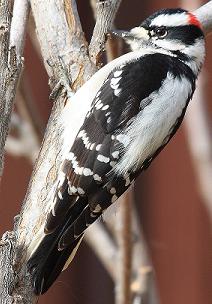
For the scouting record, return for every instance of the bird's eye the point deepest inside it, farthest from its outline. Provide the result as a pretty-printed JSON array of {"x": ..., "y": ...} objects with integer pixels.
[{"x": 160, "y": 32}]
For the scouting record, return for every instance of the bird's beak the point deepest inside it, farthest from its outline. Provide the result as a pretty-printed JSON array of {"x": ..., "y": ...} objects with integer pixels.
[
  {"x": 121, "y": 34},
  {"x": 136, "y": 33}
]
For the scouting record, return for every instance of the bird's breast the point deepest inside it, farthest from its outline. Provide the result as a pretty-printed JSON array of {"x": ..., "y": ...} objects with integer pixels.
[{"x": 153, "y": 125}]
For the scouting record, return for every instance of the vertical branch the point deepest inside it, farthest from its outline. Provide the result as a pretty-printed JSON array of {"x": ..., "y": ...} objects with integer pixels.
[
  {"x": 143, "y": 281},
  {"x": 104, "y": 12},
  {"x": 11, "y": 47},
  {"x": 18, "y": 25},
  {"x": 199, "y": 139},
  {"x": 124, "y": 259}
]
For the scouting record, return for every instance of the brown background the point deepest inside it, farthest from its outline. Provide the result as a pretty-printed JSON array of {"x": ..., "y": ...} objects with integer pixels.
[{"x": 174, "y": 219}]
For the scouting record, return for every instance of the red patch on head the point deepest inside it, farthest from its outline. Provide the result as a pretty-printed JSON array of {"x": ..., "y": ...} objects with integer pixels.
[{"x": 192, "y": 19}]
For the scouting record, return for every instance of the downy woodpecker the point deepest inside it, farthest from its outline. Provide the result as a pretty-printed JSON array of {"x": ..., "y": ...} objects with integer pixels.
[{"x": 114, "y": 126}]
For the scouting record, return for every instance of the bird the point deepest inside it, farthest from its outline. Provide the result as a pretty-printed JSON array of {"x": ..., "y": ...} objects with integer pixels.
[{"x": 114, "y": 126}]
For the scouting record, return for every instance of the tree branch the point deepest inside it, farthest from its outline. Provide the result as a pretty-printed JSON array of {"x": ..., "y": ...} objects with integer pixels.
[
  {"x": 124, "y": 256},
  {"x": 201, "y": 153},
  {"x": 105, "y": 12},
  {"x": 204, "y": 14},
  {"x": 11, "y": 48}
]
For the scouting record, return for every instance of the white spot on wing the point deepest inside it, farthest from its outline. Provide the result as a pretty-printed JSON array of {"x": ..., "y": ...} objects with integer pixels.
[
  {"x": 98, "y": 147},
  {"x": 115, "y": 154},
  {"x": 97, "y": 209},
  {"x": 92, "y": 146},
  {"x": 87, "y": 172},
  {"x": 105, "y": 107},
  {"x": 127, "y": 181},
  {"x": 114, "y": 87},
  {"x": 112, "y": 190},
  {"x": 117, "y": 73},
  {"x": 79, "y": 170},
  {"x": 114, "y": 198},
  {"x": 99, "y": 105},
  {"x": 60, "y": 195},
  {"x": 97, "y": 178},
  {"x": 117, "y": 92},
  {"x": 72, "y": 190},
  {"x": 113, "y": 163},
  {"x": 70, "y": 156},
  {"x": 115, "y": 81},
  {"x": 80, "y": 191},
  {"x": 103, "y": 159}
]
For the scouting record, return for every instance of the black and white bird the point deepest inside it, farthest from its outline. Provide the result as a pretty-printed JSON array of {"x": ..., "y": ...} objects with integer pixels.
[{"x": 114, "y": 126}]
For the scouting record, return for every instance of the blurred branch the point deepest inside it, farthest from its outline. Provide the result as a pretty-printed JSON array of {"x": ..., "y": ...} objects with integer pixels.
[
  {"x": 204, "y": 14},
  {"x": 11, "y": 48},
  {"x": 124, "y": 255},
  {"x": 200, "y": 144},
  {"x": 143, "y": 281},
  {"x": 199, "y": 139},
  {"x": 18, "y": 25},
  {"x": 27, "y": 141}
]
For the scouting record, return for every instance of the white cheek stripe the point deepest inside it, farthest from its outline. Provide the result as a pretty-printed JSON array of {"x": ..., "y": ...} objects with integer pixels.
[{"x": 173, "y": 20}]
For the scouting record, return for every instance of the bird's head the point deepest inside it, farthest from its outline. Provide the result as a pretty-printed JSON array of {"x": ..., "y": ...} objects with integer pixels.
[{"x": 175, "y": 30}]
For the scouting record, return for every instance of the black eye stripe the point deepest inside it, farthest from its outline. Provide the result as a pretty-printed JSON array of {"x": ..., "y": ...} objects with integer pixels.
[{"x": 185, "y": 33}]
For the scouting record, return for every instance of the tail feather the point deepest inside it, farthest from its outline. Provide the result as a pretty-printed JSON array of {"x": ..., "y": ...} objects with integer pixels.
[
  {"x": 47, "y": 261},
  {"x": 46, "y": 273}
]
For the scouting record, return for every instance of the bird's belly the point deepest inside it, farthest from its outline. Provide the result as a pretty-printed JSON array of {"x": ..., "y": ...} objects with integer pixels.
[{"x": 153, "y": 125}]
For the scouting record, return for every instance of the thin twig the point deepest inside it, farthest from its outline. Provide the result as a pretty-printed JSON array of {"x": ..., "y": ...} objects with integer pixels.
[{"x": 18, "y": 25}]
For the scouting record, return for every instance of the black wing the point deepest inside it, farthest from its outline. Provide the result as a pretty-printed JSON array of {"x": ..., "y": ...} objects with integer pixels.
[{"x": 89, "y": 187}]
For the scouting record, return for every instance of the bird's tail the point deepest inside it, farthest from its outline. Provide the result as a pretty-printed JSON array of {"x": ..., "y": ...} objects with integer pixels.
[{"x": 48, "y": 260}]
